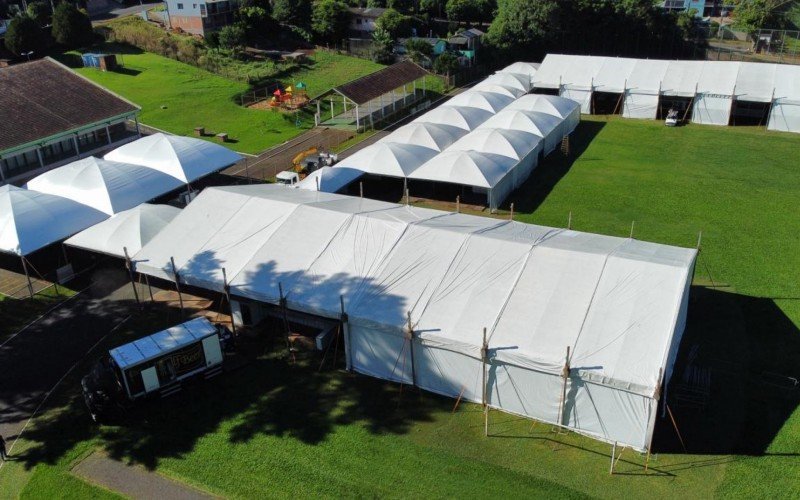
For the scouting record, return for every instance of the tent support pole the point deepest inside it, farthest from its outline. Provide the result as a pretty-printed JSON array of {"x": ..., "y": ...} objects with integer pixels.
[
  {"x": 613, "y": 455},
  {"x": 675, "y": 426},
  {"x": 511, "y": 215},
  {"x": 346, "y": 330},
  {"x": 410, "y": 335},
  {"x": 361, "y": 189},
  {"x": 284, "y": 315},
  {"x": 633, "y": 222},
  {"x": 485, "y": 395},
  {"x": 647, "y": 460},
  {"x": 149, "y": 288},
  {"x": 458, "y": 204},
  {"x": 129, "y": 267},
  {"x": 569, "y": 220},
  {"x": 64, "y": 251},
  {"x": 227, "y": 288},
  {"x": 27, "y": 276},
  {"x": 562, "y": 402},
  {"x": 177, "y": 283}
]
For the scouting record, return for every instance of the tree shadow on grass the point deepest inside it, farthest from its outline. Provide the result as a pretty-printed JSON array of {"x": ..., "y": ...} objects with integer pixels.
[
  {"x": 532, "y": 193},
  {"x": 750, "y": 349}
]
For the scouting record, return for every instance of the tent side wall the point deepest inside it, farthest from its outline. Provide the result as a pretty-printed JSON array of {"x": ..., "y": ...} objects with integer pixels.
[
  {"x": 640, "y": 105},
  {"x": 784, "y": 116},
  {"x": 582, "y": 97}
]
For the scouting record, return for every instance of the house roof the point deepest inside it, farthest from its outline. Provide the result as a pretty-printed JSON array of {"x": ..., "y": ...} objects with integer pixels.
[
  {"x": 472, "y": 33},
  {"x": 381, "y": 82},
  {"x": 432, "y": 41},
  {"x": 39, "y": 99},
  {"x": 372, "y": 12}
]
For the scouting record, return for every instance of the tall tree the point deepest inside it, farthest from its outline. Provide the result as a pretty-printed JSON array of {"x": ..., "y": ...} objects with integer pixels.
[
  {"x": 71, "y": 27},
  {"x": 24, "y": 35},
  {"x": 294, "y": 12},
  {"x": 753, "y": 15},
  {"x": 395, "y": 23},
  {"x": 39, "y": 12},
  {"x": 523, "y": 25},
  {"x": 330, "y": 20}
]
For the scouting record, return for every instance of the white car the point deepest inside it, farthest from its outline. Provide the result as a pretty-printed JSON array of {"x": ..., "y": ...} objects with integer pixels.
[{"x": 287, "y": 178}]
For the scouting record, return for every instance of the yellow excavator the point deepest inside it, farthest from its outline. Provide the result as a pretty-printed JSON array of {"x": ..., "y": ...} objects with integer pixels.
[{"x": 297, "y": 161}]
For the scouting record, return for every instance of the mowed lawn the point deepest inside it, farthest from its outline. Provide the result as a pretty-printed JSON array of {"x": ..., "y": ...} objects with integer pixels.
[
  {"x": 275, "y": 429},
  {"x": 192, "y": 97}
]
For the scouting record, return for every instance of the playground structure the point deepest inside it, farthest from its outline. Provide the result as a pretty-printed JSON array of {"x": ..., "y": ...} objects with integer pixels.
[{"x": 276, "y": 96}]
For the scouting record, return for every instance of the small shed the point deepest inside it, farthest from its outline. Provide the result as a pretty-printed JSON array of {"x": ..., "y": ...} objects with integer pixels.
[{"x": 103, "y": 62}]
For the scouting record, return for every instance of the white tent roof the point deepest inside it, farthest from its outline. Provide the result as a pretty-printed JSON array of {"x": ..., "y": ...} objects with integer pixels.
[
  {"x": 108, "y": 186},
  {"x": 130, "y": 229},
  {"x": 787, "y": 83},
  {"x": 329, "y": 179},
  {"x": 525, "y": 68},
  {"x": 647, "y": 76},
  {"x": 613, "y": 74},
  {"x": 718, "y": 77},
  {"x": 185, "y": 158},
  {"x": 756, "y": 82},
  {"x": 463, "y": 117},
  {"x": 430, "y": 135},
  {"x": 489, "y": 101},
  {"x": 388, "y": 158},
  {"x": 470, "y": 168},
  {"x": 548, "y": 104},
  {"x": 30, "y": 220},
  {"x": 681, "y": 78},
  {"x": 513, "y": 80},
  {"x": 534, "y": 122},
  {"x": 511, "y": 143},
  {"x": 513, "y": 92}
]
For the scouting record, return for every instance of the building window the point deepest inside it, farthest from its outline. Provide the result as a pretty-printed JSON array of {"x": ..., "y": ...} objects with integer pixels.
[
  {"x": 194, "y": 6},
  {"x": 180, "y": 6},
  {"x": 203, "y": 12}
]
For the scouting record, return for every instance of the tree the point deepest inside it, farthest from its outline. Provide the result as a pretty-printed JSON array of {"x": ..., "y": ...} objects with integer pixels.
[
  {"x": 232, "y": 37},
  {"x": 382, "y": 46},
  {"x": 446, "y": 63},
  {"x": 71, "y": 27},
  {"x": 418, "y": 49},
  {"x": 520, "y": 25},
  {"x": 461, "y": 10},
  {"x": 24, "y": 35},
  {"x": 330, "y": 20},
  {"x": 401, "y": 5},
  {"x": 432, "y": 7},
  {"x": 39, "y": 12},
  {"x": 256, "y": 22},
  {"x": 293, "y": 12},
  {"x": 753, "y": 15},
  {"x": 395, "y": 23}
]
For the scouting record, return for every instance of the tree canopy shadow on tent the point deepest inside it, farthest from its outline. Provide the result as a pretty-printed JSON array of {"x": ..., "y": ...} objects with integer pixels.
[
  {"x": 750, "y": 348},
  {"x": 269, "y": 396},
  {"x": 532, "y": 193}
]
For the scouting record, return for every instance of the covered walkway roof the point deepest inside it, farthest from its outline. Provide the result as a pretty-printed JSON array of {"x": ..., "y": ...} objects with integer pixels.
[{"x": 374, "y": 85}]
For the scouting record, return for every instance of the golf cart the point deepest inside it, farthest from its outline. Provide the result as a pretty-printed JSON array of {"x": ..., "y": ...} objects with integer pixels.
[{"x": 673, "y": 118}]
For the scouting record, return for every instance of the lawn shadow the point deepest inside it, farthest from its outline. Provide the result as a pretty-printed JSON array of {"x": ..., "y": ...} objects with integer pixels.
[
  {"x": 532, "y": 193},
  {"x": 749, "y": 348},
  {"x": 271, "y": 395},
  {"x": 122, "y": 70}
]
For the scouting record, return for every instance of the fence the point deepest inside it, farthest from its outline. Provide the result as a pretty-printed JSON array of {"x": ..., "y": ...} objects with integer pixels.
[
  {"x": 764, "y": 45},
  {"x": 257, "y": 95}
]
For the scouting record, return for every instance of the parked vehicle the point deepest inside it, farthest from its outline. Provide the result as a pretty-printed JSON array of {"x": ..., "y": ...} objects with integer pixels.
[
  {"x": 156, "y": 364},
  {"x": 673, "y": 119},
  {"x": 287, "y": 178}
]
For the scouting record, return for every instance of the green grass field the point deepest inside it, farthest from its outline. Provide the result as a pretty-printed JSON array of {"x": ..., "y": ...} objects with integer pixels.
[
  {"x": 194, "y": 97},
  {"x": 273, "y": 429}
]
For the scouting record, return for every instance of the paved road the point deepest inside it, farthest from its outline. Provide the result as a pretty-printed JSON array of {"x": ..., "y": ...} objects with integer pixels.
[
  {"x": 116, "y": 11},
  {"x": 32, "y": 362}
]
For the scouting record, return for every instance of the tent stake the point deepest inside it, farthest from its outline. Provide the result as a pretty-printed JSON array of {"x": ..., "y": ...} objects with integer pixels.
[
  {"x": 613, "y": 454},
  {"x": 227, "y": 288},
  {"x": 177, "y": 283},
  {"x": 27, "y": 276},
  {"x": 484, "y": 360},
  {"x": 129, "y": 266}
]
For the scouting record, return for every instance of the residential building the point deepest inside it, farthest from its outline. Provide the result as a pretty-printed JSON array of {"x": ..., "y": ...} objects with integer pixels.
[
  {"x": 703, "y": 8},
  {"x": 438, "y": 45},
  {"x": 467, "y": 43},
  {"x": 362, "y": 23},
  {"x": 200, "y": 17},
  {"x": 50, "y": 115}
]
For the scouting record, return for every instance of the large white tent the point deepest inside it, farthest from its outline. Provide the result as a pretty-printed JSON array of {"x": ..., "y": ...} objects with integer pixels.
[
  {"x": 513, "y": 80},
  {"x": 129, "y": 230},
  {"x": 389, "y": 159},
  {"x": 429, "y": 135},
  {"x": 184, "y": 158},
  {"x": 525, "y": 68},
  {"x": 490, "y": 101},
  {"x": 428, "y": 282},
  {"x": 463, "y": 117},
  {"x": 30, "y": 220},
  {"x": 712, "y": 86},
  {"x": 499, "y": 89},
  {"x": 567, "y": 110},
  {"x": 514, "y": 144},
  {"x": 108, "y": 186},
  {"x": 534, "y": 122}
]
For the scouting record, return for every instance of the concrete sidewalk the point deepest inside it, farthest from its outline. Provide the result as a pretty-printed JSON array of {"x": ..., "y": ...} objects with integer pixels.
[{"x": 133, "y": 481}]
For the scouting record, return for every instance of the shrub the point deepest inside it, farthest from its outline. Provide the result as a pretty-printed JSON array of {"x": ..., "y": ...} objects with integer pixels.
[
  {"x": 71, "y": 27},
  {"x": 24, "y": 35}
]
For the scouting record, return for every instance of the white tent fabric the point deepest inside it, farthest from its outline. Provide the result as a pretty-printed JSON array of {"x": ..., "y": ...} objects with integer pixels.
[
  {"x": 130, "y": 229},
  {"x": 619, "y": 304},
  {"x": 30, "y": 220},
  {"x": 644, "y": 89},
  {"x": 755, "y": 82},
  {"x": 566, "y": 109},
  {"x": 499, "y": 89},
  {"x": 513, "y": 80},
  {"x": 489, "y": 101},
  {"x": 185, "y": 158},
  {"x": 613, "y": 74},
  {"x": 580, "y": 96},
  {"x": 108, "y": 186},
  {"x": 329, "y": 179},
  {"x": 524, "y": 68},
  {"x": 515, "y": 144},
  {"x": 429, "y": 135},
  {"x": 681, "y": 78},
  {"x": 463, "y": 117},
  {"x": 785, "y": 113},
  {"x": 389, "y": 159},
  {"x": 534, "y": 122}
]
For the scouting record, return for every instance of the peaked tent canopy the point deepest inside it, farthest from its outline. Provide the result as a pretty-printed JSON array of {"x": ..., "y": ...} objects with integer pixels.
[
  {"x": 524, "y": 68},
  {"x": 388, "y": 158},
  {"x": 30, "y": 220},
  {"x": 566, "y": 109},
  {"x": 514, "y": 144},
  {"x": 131, "y": 229},
  {"x": 497, "y": 88},
  {"x": 618, "y": 303},
  {"x": 329, "y": 179},
  {"x": 513, "y": 80},
  {"x": 470, "y": 168},
  {"x": 482, "y": 99},
  {"x": 430, "y": 135},
  {"x": 463, "y": 117},
  {"x": 185, "y": 158},
  {"x": 108, "y": 186},
  {"x": 534, "y": 122}
]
